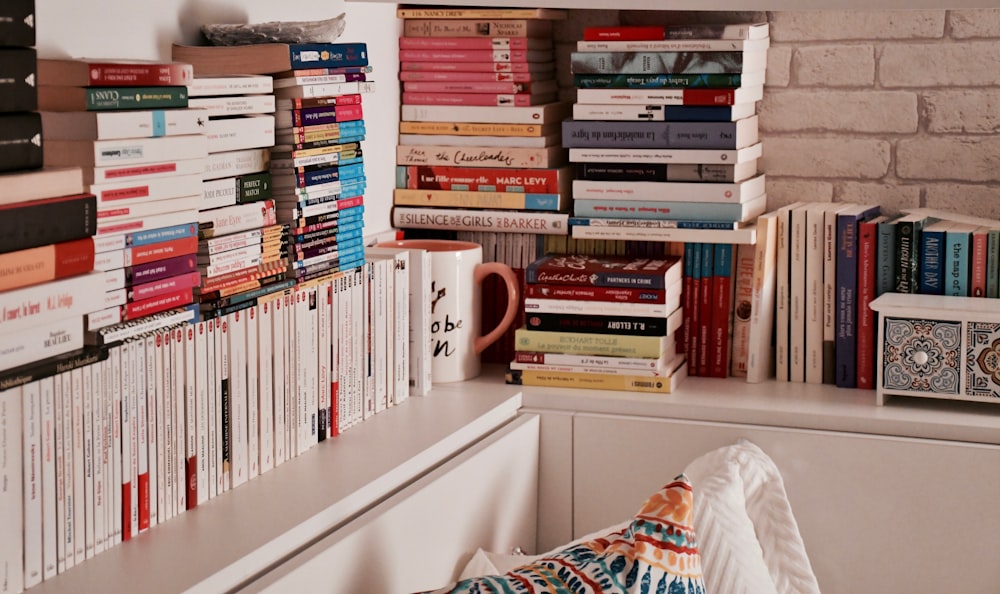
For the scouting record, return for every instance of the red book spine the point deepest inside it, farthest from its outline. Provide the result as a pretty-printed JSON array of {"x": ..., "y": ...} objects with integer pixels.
[
  {"x": 162, "y": 287},
  {"x": 143, "y": 501},
  {"x": 636, "y": 33},
  {"x": 147, "y": 307},
  {"x": 709, "y": 96},
  {"x": 463, "y": 43},
  {"x": 705, "y": 307},
  {"x": 139, "y": 75},
  {"x": 722, "y": 308},
  {"x": 468, "y": 77},
  {"x": 479, "y": 99},
  {"x": 42, "y": 264},
  {"x": 191, "y": 474},
  {"x": 466, "y": 87},
  {"x": 977, "y": 277},
  {"x": 543, "y": 291},
  {"x": 463, "y": 55},
  {"x": 865, "y": 330},
  {"x": 161, "y": 251},
  {"x": 126, "y": 510},
  {"x": 453, "y": 66}
]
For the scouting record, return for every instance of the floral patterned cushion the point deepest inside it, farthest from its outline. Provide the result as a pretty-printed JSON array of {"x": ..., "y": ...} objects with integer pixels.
[{"x": 656, "y": 552}]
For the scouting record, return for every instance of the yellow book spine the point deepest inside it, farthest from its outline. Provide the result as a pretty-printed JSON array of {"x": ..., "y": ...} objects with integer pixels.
[
  {"x": 598, "y": 381},
  {"x": 474, "y": 129},
  {"x": 581, "y": 343}
]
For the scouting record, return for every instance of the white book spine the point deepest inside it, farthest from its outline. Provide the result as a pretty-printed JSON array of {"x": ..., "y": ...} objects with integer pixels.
[
  {"x": 133, "y": 437},
  {"x": 48, "y": 474},
  {"x": 211, "y": 369},
  {"x": 21, "y": 309},
  {"x": 145, "y": 171},
  {"x": 99, "y": 456},
  {"x": 312, "y": 371},
  {"x": 235, "y": 134},
  {"x": 797, "y": 294},
  {"x": 669, "y": 191},
  {"x": 232, "y": 163},
  {"x": 339, "y": 362},
  {"x": 383, "y": 322},
  {"x": 127, "y": 398},
  {"x": 167, "y": 484},
  {"x": 180, "y": 422},
  {"x": 420, "y": 316},
  {"x": 11, "y": 493},
  {"x": 202, "y": 384},
  {"x": 253, "y": 393},
  {"x": 142, "y": 437},
  {"x": 112, "y": 195},
  {"x": 59, "y": 429},
  {"x": 238, "y": 398},
  {"x": 323, "y": 355},
  {"x": 160, "y": 415},
  {"x": 401, "y": 327},
  {"x": 79, "y": 470},
  {"x": 42, "y": 340},
  {"x": 190, "y": 419},
  {"x": 265, "y": 385},
  {"x": 31, "y": 482},
  {"x": 783, "y": 296},
  {"x": 89, "y": 529},
  {"x": 234, "y": 105},
  {"x": 152, "y": 416},
  {"x": 360, "y": 343},
  {"x": 815, "y": 241},
  {"x": 300, "y": 334},
  {"x": 278, "y": 356},
  {"x": 292, "y": 416},
  {"x": 108, "y": 457}
]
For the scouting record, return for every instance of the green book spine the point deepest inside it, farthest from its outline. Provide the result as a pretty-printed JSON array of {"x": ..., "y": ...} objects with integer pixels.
[{"x": 114, "y": 98}]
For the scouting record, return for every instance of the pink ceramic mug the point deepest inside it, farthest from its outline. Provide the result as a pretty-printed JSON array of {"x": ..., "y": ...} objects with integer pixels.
[{"x": 457, "y": 274}]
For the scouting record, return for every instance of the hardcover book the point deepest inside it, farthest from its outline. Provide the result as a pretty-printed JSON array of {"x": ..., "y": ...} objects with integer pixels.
[
  {"x": 17, "y": 25},
  {"x": 847, "y": 286},
  {"x": 731, "y": 62},
  {"x": 661, "y": 113},
  {"x": 605, "y": 271},
  {"x": 111, "y": 98},
  {"x": 269, "y": 58},
  {"x": 18, "y": 79},
  {"x": 47, "y": 221},
  {"x": 20, "y": 141},
  {"x": 83, "y": 72},
  {"x": 654, "y": 135},
  {"x": 701, "y": 31},
  {"x": 435, "y": 27}
]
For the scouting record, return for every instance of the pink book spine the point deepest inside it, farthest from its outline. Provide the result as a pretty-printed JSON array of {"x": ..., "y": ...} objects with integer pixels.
[
  {"x": 977, "y": 284},
  {"x": 413, "y": 65},
  {"x": 466, "y": 87},
  {"x": 479, "y": 99},
  {"x": 467, "y": 77},
  {"x": 463, "y": 55},
  {"x": 463, "y": 43}
]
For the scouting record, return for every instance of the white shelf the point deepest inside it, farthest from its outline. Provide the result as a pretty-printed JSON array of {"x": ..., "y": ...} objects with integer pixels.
[
  {"x": 728, "y": 5},
  {"x": 792, "y": 405},
  {"x": 219, "y": 545}
]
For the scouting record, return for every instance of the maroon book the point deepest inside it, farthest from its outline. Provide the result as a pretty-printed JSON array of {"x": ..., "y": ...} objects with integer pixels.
[{"x": 605, "y": 271}]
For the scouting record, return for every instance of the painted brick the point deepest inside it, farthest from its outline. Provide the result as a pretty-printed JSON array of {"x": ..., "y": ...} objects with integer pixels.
[
  {"x": 971, "y": 159},
  {"x": 965, "y": 24},
  {"x": 854, "y": 158},
  {"x": 967, "y": 63},
  {"x": 892, "y": 198},
  {"x": 969, "y": 199},
  {"x": 962, "y": 112},
  {"x": 829, "y": 25},
  {"x": 786, "y": 191},
  {"x": 838, "y": 111},
  {"x": 779, "y": 66},
  {"x": 834, "y": 65}
]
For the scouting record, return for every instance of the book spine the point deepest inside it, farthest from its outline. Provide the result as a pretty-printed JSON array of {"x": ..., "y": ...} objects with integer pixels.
[
  {"x": 655, "y": 172},
  {"x": 513, "y": 222},
  {"x": 993, "y": 263},
  {"x": 742, "y": 308},
  {"x": 325, "y": 55},
  {"x": 41, "y": 341},
  {"x": 653, "y": 62},
  {"x": 496, "y": 87},
  {"x": 656, "y": 81},
  {"x": 479, "y": 199},
  {"x": 234, "y": 163},
  {"x": 479, "y": 13},
  {"x": 885, "y": 277},
  {"x": 47, "y": 455},
  {"x": 238, "y": 218},
  {"x": 590, "y": 344},
  {"x": 867, "y": 250},
  {"x": 12, "y": 493},
  {"x": 112, "y": 195},
  {"x": 685, "y": 156},
  {"x": 720, "y": 329},
  {"x": 134, "y": 75},
  {"x": 17, "y": 27},
  {"x": 597, "y": 381},
  {"x": 674, "y": 135},
  {"x": 474, "y": 99},
  {"x": 201, "y": 359},
  {"x": 304, "y": 103},
  {"x": 542, "y": 181},
  {"x": 18, "y": 73},
  {"x": 704, "y": 304},
  {"x": 20, "y": 141},
  {"x": 467, "y": 43},
  {"x": 643, "y": 113},
  {"x": 613, "y": 33},
  {"x": 79, "y": 471},
  {"x": 585, "y": 293},
  {"x": 159, "y": 270},
  {"x": 124, "y": 98},
  {"x": 652, "y": 209},
  {"x": 234, "y": 105},
  {"x": 957, "y": 262},
  {"x": 907, "y": 240},
  {"x": 569, "y": 306},
  {"x": 434, "y": 27},
  {"x": 670, "y": 192},
  {"x": 707, "y": 97},
  {"x": 470, "y": 55},
  {"x": 30, "y": 464},
  {"x": 847, "y": 308},
  {"x": 977, "y": 264},
  {"x": 931, "y": 256}
]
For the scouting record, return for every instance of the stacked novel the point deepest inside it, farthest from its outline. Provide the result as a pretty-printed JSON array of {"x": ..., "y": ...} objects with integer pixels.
[
  {"x": 317, "y": 161},
  {"x": 241, "y": 248},
  {"x": 664, "y": 134},
  {"x": 127, "y": 125},
  {"x": 601, "y": 323},
  {"x": 479, "y": 143}
]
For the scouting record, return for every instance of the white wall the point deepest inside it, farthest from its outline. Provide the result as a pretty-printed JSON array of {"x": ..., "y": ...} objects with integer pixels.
[{"x": 145, "y": 29}]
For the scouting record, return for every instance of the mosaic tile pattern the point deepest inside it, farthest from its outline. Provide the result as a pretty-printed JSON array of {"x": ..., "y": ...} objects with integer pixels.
[
  {"x": 982, "y": 362},
  {"x": 922, "y": 356}
]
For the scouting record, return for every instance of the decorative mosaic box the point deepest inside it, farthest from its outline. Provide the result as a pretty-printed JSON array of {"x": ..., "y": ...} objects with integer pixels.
[{"x": 938, "y": 347}]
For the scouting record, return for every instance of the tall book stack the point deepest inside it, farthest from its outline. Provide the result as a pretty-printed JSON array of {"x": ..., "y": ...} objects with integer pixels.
[
  {"x": 241, "y": 248},
  {"x": 20, "y": 126},
  {"x": 604, "y": 323},
  {"x": 317, "y": 163},
  {"x": 479, "y": 143},
  {"x": 127, "y": 125},
  {"x": 664, "y": 134}
]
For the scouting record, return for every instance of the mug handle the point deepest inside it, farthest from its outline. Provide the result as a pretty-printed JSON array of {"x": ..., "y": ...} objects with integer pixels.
[{"x": 513, "y": 301}]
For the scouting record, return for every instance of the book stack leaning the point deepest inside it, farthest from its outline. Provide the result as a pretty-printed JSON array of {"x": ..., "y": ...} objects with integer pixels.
[
  {"x": 142, "y": 150},
  {"x": 604, "y": 323},
  {"x": 479, "y": 139}
]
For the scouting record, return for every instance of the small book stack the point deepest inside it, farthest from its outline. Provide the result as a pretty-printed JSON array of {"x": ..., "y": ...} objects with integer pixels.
[
  {"x": 317, "y": 163},
  {"x": 127, "y": 125},
  {"x": 664, "y": 133},
  {"x": 241, "y": 248},
  {"x": 479, "y": 137},
  {"x": 604, "y": 323}
]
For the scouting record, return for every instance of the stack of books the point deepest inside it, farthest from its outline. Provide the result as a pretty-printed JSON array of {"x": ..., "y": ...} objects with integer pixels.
[
  {"x": 127, "y": 125},
  {"x": 480, "y": 143},
  {"x": 317, "y": 163},
  {"x": 602, "y": 323},
  {"x": 20, "y": 126},
  {"x": 664, "y": 134}
]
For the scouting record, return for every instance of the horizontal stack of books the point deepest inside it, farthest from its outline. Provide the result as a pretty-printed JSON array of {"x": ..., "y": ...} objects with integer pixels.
[{"x": 605, "y": 323}]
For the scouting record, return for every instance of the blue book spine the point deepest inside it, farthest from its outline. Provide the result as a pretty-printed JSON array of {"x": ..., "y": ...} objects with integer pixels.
[
  {"x": 931, "y": 267},
  {"x": 327, "y": 55},
  {"x": 846, "y": 312},
  {"x": 959, "y": 244},
  {"x": 694, "y": 318},
  {"x": 885, "y": 268},
  {"x": 643, "y": 135},
  {"x": 651, "y": 209},
  {"x": 697, "y": 113},
  {"x": 151, "y": 236}
]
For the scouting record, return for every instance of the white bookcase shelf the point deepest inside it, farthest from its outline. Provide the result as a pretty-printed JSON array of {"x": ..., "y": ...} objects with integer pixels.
[{"x": 728, "y": 5}]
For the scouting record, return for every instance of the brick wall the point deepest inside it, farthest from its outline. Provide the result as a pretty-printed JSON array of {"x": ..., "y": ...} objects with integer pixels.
[{"x": 899, "y": 108}]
